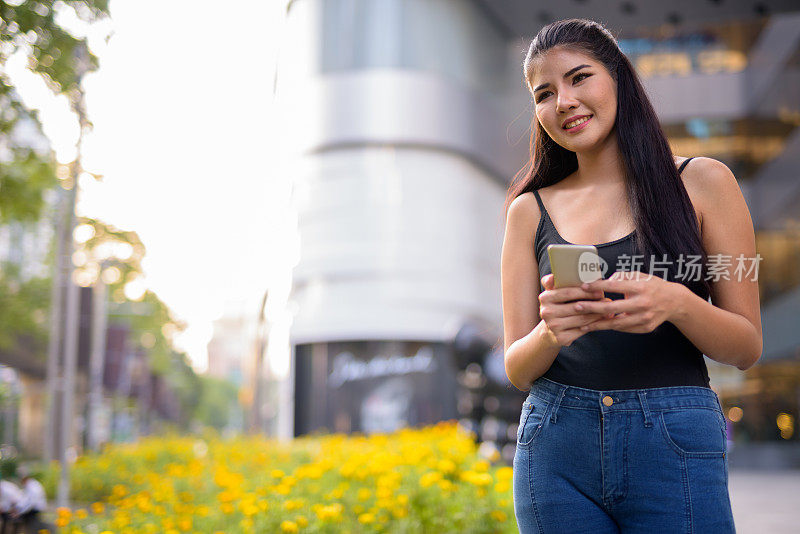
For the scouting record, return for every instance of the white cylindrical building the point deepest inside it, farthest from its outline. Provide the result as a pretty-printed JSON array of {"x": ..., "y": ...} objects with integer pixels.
[{"x": 400, "y": 148}]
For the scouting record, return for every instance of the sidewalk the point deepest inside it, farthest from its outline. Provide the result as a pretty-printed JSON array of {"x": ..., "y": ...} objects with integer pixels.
[{"x": 765, "y": 501}]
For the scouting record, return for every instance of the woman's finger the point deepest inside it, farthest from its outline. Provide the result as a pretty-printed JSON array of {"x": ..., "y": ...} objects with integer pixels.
[
  {"x": 568, "y": 294},
  {"x": 603, "y": 307},
  {"x": 572, "y": 321},
  {"x": 619, "y": 322}
]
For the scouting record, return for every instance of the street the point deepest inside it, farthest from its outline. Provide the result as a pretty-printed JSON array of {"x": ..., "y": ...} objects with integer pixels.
[{"x": 765, "y": 501}]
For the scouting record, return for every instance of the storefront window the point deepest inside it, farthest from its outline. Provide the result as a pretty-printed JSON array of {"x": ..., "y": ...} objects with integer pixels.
[{"x": 667, "y": 51}]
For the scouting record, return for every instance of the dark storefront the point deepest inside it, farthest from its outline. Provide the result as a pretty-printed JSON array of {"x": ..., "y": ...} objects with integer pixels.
[{"x": 372, "y": 386}]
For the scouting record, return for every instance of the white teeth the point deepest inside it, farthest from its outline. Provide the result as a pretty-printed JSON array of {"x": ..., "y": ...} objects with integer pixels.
[{"x": 577, "y": 122}]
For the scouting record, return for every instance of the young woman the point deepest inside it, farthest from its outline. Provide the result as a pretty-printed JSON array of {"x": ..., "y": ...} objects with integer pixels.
[{"x": 620, "y": 431}]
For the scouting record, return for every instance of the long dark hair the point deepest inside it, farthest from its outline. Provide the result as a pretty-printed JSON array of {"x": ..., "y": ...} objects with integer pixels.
[{"x": 660, "y": 206}]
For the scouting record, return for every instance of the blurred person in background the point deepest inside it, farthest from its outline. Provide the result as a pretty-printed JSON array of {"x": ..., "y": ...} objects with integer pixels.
[
  {"x": 32, "y": 503},
  {"x": 620, "y": 430},
  {"x": 10, "y": 498}
]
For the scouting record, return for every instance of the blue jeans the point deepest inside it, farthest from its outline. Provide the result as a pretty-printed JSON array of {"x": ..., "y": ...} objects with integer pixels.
[{"x": 637, "y": 460}]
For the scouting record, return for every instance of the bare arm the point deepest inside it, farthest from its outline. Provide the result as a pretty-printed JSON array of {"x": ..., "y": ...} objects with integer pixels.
[
  {"x": 729, "y": 330},
  {"x": 529, "y": 349},
  {"x": 535, "y": 324}
]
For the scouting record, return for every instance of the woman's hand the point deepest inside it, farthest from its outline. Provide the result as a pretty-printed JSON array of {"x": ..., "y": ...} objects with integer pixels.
[
  {"x": 561, "y": 317},
  {"x": 649, "y": 301}
]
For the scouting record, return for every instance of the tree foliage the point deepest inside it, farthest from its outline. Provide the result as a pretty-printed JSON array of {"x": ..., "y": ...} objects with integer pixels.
[
  {"x": 30, "y": 27},
  {"x": 24, "y": 308},
  {"x": 28, "y": 172},
  {"x": 218, "y": 398}
]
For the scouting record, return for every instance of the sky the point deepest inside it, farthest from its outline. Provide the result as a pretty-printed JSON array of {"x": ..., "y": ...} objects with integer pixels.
[{"x": 183, "y": 127}]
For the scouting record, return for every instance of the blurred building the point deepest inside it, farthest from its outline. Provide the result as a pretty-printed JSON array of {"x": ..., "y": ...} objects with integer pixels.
[
  {"x": 231, "y": 347},
  {"x": 404, "y": 123}
]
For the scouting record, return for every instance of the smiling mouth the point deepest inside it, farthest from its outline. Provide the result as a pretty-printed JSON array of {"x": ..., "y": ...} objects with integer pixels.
[{"x": 579, "y": 122}]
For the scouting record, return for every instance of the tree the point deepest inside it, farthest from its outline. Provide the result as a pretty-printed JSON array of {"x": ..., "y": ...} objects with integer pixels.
[
  {"x": 28, "y": 172},
  {"x": 217, "y": 400},
  {"x": 31, "y": 28}
]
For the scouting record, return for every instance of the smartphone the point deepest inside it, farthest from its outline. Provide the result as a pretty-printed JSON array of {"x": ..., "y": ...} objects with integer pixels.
[{"x": 572, "y": 265}]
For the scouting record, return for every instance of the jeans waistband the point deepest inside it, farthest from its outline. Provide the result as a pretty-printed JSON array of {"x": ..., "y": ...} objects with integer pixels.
[{"x": 646, "y": 399}]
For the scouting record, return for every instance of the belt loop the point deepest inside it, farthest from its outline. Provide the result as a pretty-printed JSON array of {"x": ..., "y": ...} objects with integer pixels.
[
  {"x": 719, "y": 402},
  {"x": 558, "y": 403},
  {"x": 645, "y": 409}
]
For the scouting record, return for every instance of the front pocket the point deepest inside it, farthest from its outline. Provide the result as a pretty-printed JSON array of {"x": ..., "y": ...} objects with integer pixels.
[
  {"x": 531, "y": 421},
  {"x": 694, "y": 431}
]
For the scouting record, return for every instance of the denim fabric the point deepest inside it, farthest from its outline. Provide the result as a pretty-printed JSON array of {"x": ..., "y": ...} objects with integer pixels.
[{"x": 652, "y": 461}]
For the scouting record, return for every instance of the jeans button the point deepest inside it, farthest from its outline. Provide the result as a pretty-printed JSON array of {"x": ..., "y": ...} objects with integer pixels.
[{"x": 608, "y": 401}]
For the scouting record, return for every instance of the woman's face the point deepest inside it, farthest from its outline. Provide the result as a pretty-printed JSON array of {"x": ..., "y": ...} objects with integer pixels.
[{"x": 569, "y": 84}]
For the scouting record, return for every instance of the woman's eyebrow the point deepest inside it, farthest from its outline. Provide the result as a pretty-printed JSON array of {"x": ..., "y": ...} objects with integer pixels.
[{"x": 566, "y": 75}]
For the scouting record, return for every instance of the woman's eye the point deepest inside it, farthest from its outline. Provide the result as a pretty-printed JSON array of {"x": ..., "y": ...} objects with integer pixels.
[{"x": 577, "y": 78}]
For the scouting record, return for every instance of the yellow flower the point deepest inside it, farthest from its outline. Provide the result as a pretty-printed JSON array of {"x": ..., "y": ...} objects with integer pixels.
[
  {"x": 478, "y": 479},
  {"x": 290, "y": 504},
  {"x": 430, "y": 478},
  {"x": 364, "y": 494},
  {"x": 505, "y": 473},
  {"x": 502, "y": 486},
  {"x": 301, "y": 520},
  {"x": 366, "y": 518},
  {"x": 97, "y": 508},
  {"x": 498, "y": 515},
  {"x": 248, "y": 509},
  {"x": 289, "y": 526},
  {"x": 331, "y": 511},
  {"x": 481, "y": 466},
  {"x": 446, "y": 465},
  {"x": 81, "y": 513},
  {"x": 399, "y": 512},
  {"x": 446, "y": 485},
  {"x": 282, "y": 490}
]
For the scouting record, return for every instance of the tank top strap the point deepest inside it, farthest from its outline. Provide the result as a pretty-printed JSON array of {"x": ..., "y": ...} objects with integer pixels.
[
  {"x": 541, "y": 204},
  {"x": 687, "y": 160}
]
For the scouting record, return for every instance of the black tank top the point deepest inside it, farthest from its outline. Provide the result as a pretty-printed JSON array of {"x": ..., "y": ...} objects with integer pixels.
[{"x": 609, "y": 359}]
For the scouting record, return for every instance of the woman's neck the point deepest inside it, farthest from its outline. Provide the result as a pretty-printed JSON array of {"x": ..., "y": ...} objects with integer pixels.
[{"x": 602, "y": 166}]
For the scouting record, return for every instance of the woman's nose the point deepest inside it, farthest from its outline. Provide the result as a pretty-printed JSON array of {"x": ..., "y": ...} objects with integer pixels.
[{"x": 565, "y": 102}]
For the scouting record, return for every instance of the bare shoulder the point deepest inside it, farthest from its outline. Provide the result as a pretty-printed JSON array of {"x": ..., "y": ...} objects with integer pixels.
[
  {"x": 710, "y": 184},
  {"x": 524, "y": 214},
  {"x": 707, "y": 178}
]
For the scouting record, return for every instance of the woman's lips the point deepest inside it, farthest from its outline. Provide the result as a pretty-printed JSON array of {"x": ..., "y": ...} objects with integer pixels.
[{"x": 579, "y": 127}]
